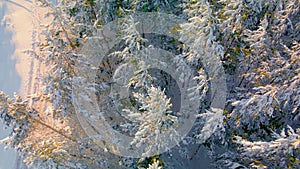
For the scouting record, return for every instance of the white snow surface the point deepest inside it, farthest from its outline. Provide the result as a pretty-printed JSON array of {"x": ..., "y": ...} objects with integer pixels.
[{"x": 15, "y": 66}]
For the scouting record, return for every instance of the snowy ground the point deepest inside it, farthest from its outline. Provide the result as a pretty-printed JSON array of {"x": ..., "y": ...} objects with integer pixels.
[
  {"x": 19, "y": 20},
  {"x": 9, "y": 80},
  {"x": 15, "y": 66}
]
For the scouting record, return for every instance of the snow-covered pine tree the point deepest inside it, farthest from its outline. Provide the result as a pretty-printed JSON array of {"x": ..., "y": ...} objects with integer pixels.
[{"x": 258, "y": 43}]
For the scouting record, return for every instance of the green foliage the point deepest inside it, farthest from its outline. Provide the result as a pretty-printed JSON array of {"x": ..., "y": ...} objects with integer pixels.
[{"x": 150, "y": 160}]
